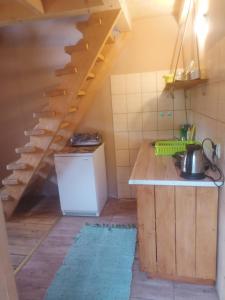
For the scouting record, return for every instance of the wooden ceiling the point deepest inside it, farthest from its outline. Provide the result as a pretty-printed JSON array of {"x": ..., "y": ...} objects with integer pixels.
[
  {"x": 12, "y": 11},
  {"x": 21, "y": 10}
]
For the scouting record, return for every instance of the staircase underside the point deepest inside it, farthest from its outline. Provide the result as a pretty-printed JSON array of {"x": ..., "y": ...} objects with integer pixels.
[{"x": 68, "y": 103}]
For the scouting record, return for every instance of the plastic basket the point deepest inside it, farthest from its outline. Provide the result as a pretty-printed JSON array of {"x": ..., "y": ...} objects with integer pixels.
[{"x": 171, "y": 147}]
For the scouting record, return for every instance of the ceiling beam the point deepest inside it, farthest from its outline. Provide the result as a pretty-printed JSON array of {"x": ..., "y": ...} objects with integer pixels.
[{"x": 35, "y": 5}]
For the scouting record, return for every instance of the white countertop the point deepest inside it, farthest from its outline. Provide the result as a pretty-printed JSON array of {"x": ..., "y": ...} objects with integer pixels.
[{"x": 150, "y": 169}]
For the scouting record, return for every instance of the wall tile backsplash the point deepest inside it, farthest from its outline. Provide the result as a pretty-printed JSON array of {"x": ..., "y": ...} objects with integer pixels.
[{"x": 142, "y": 110}]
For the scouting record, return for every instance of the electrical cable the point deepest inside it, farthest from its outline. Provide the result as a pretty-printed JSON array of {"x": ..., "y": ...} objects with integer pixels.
[{"x": 212, "y": 164}]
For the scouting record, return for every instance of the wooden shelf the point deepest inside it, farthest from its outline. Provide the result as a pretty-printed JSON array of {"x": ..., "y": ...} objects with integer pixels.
[{"x": 184, "y": 84}]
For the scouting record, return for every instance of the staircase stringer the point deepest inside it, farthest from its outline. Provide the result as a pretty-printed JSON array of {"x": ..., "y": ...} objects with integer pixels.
[{"x": 18, "y": 190}]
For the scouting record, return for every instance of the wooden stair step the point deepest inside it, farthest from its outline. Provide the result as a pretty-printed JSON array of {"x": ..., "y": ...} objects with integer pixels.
[
  {"x": 92, "y": 22},
  {"x": 18, "y": 166},
  {"x": 111, "y": 39},
  {"x": 11, "y": 181},
  {"x": 72, "y": 109},
  {"x": 56, "y": 93},
  {"x": 4, "y": 195},
  {"x": 38, "y": 132},
  {"x": 81, "y": 93},
  {"x": 80, "y": 46},
  {"x": 49, "y": 160},
  {"x": 28, "y": 149},
  {"x": 91, "y": 76},
  {"x": 65, "y": 125},
  {"x": 58, "y": 139},
  {"x": 46, "y": 114},
  {"x": 100, "y": 58},
  {"x": 66, "y": 71}
]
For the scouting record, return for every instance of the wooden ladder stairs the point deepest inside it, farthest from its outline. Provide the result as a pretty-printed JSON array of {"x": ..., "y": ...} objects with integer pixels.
[{"x": 67, "y": 106}]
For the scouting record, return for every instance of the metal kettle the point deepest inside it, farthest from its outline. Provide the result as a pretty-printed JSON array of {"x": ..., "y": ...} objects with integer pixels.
[{"x": 193, "y": 164}]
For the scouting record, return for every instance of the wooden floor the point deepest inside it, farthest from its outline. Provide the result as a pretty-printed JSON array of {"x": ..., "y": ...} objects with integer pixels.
[
  {"x": 29, "y": 227},
  {"x": 36, "y": 275}
]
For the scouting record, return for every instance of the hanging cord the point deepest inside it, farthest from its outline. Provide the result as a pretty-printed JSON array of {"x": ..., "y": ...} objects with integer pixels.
[{"x": 212, "y": 164}]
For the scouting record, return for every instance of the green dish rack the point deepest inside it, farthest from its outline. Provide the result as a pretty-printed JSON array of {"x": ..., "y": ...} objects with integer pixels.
[{"x": 165, "y": 148}]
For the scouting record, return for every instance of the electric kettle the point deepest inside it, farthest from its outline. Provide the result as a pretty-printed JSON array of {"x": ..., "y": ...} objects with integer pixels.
[{"x": 193, "y": 164}]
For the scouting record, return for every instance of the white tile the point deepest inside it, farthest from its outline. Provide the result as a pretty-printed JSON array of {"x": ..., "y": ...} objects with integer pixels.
[
  {"x": 165, "y": 120},
  {"x": 179, "y": 118},
  {"x": 149, "y": 121},
  {"x": 124, "y": 190},
  {"x": 117, "y": 84},
  {"x": 133, "y": 83},
  {"x": 149, "y": 102},
  {"x": 122, "y": 158},
  {"x": 134, "y": 121},
  {"x": 179, "y": 100},
  {"x": 123, "y": 174},
  {"x": 134, "y": 103},
  {"x": 120, "y": 122},
  {"x": 119, "y": 104},
  {"x": 133, "y": 156},
  {"x": 148, "y": 82},
  {"x": 165, "y": 101},
  {"x": 150, "y": 135},
  {"x": 135, "y": 140},
  {"x": 121, "y": 140},
  {"x": 165, "y": 134}
]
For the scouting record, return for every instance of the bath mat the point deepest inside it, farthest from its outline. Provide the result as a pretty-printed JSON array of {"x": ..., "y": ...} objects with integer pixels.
[{"x": 98, "y": 265}]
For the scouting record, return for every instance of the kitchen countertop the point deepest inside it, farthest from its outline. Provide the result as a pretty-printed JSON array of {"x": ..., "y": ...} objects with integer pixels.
[{"x": 150, "y": 169}]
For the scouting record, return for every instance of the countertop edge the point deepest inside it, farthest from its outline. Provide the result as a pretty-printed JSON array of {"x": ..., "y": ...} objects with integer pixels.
[{"x": 173, "y": 183}]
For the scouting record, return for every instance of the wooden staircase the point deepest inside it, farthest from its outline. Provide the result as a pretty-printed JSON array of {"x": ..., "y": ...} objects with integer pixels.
[{"x": 67, "y": 106}]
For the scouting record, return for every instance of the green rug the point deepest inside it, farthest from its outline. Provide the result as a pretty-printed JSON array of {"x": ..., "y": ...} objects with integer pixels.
[{"x": 98, "y": 265}]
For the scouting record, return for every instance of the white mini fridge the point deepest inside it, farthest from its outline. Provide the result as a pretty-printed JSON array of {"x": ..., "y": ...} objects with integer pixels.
[{"x": 81, "y": 177}]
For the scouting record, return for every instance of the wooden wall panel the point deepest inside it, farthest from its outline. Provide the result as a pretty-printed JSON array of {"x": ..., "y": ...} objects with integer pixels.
[
  {"x": 7, "y": 281},
  {"x": 146, "y": 228},
  {"x": 165, "y": 227},
  {"x": 206, "y": 232},
  {"x": 185, "y": 231}
]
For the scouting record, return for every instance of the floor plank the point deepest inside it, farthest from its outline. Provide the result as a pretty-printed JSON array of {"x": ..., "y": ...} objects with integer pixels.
[{"x": 36, "y": 276}]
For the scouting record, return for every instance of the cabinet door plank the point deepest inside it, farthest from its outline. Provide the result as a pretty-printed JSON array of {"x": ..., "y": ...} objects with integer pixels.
[
  {"x": 206, "y": 232},
  {"x": 165, "y": 229},
  {"x": 185, "y": 231},
  {"x": 146, "y": 228}
]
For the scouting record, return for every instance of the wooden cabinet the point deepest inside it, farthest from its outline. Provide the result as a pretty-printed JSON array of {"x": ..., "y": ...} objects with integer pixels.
[{"x": 177, "y": 232}]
